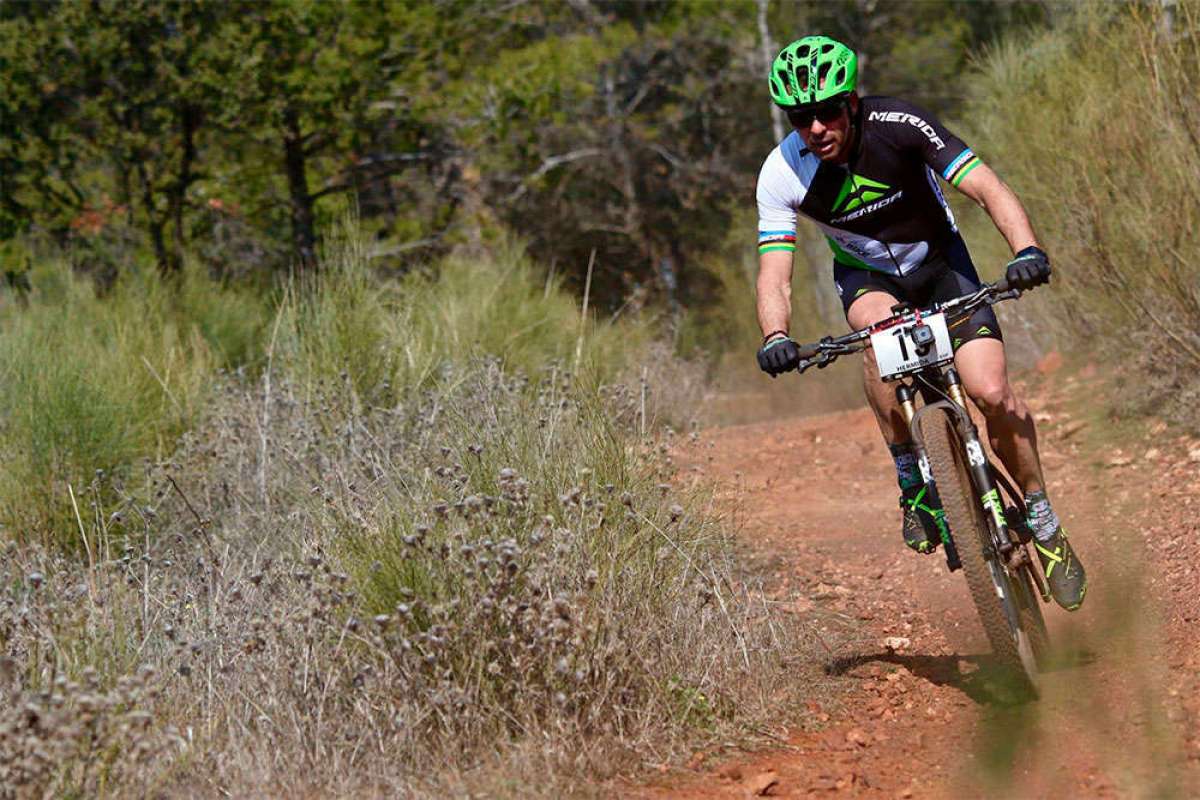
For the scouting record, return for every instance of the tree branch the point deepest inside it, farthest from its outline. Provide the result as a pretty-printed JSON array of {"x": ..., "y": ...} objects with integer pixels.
[
  {"x": 551, "y": 163},
  {"x": 637, "y": 99},
  {"x": 672, "y": 159},
  {"x": 621, "y": 229},
  {"x": 399, "y": 162}
]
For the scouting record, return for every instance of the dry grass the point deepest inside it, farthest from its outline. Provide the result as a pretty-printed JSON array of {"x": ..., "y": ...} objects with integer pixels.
[
  {"x": 339, "y": 599},
  {"x": 480, "y": 579},
  {"x": 1097, "y": 126}
]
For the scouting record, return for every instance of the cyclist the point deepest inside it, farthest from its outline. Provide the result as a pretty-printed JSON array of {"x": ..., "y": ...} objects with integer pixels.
[{"x": 865, "y": 170}]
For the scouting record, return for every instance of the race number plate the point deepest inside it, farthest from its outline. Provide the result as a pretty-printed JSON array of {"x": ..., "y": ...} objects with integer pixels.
[{"x": 898, "y": 354}]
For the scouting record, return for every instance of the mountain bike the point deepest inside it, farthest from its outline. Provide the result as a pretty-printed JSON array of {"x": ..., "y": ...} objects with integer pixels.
[{"x": 985, "y": 533}]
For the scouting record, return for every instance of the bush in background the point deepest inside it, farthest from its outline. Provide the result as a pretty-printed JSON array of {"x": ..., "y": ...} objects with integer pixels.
[
  {"x": 91, "y": 385},
  {"x": 1097, "y": 126}
]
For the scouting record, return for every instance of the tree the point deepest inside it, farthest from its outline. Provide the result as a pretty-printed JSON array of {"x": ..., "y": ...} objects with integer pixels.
[
  {"x": 108, "y": 97},
  {"x": 304, "y": 83},
  {"x": 627, "y": 131}
]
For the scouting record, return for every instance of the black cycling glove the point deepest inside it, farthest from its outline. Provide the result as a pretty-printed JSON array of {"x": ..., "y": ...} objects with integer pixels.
[
  {"x": 1030, "y": 268},
  {"x": 778, "y": 356}
]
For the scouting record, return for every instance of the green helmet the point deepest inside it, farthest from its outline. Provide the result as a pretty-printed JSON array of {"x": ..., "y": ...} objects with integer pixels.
[{"x": 810, "y": 70}]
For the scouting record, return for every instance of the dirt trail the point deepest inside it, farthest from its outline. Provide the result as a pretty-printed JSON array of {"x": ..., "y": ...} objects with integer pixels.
[{"x": 911, "y": 717}]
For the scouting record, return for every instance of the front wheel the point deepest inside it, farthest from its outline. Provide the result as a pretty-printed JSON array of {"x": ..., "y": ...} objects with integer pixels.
[{"x": 992, "y": 589}]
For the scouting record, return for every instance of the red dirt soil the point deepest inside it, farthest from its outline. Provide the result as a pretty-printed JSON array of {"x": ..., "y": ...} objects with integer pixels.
[{"x": 908, "y": 714}]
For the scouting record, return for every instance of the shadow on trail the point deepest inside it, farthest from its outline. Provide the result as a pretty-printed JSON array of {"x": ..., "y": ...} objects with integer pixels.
[{"x": 979, "y": 677}]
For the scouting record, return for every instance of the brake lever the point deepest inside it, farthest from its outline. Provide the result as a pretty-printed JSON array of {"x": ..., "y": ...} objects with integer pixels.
[{"x": 821, "y": 359}]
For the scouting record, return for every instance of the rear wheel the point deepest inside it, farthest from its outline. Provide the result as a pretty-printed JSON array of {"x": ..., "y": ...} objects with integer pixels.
[{"x": 994, "y": 593}]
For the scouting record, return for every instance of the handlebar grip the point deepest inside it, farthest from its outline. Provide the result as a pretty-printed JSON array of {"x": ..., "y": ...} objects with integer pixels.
[{"x": 808, "y": 351}]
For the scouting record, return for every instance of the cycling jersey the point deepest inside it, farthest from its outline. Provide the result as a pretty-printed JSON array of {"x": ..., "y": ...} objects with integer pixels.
[{"x": 881, "y": 211}]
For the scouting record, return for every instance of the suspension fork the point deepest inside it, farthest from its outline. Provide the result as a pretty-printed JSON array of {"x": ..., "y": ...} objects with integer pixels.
[
  {"x": 987, "y": 480},
  {"x": 906, "y": 398},
  {"x": 977, "y": 463}
]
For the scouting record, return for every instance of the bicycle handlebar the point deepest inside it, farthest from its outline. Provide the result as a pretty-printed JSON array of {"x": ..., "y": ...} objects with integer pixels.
[{"x": 828, "y": 349}]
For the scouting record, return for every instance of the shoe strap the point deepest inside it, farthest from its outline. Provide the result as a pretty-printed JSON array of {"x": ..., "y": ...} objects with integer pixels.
[{"x": 1053, "y": 555}]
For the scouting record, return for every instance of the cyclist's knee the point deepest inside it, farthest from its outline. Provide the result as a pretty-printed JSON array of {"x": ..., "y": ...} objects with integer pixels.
[
  {"x": 870, "y": 308},
  {"x": 994, "y": 396}
]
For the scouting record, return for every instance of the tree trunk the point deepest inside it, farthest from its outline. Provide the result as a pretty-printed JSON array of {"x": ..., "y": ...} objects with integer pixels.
[
  {"x": 632, "y": 220},
  {"x": 303, "y": 225},
  {"x": 189, "y": 121},
  {"x": 155, "y": 223},
  {"x": 768, "y": 54}
]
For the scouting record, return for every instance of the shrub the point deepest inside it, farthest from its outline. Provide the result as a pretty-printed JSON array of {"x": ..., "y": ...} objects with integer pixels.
[
  {"x": 91, "y": 385},
  {"x": 1072, "y": 118},
  {"x": 397, "y": 336}
]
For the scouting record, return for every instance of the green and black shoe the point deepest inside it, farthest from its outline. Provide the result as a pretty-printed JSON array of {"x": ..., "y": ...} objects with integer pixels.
[
  {"x": 923, "y": 520},
  {"x": 1064, "y": 571}
]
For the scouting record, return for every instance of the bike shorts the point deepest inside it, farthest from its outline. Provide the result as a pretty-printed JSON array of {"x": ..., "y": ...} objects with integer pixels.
[{"x": 932, "y": 282}]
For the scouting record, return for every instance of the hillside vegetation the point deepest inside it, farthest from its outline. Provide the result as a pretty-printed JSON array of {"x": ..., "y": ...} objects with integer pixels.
[
  {"x": 381, "y": 536},
  {"x": 1096, "y": 123}
]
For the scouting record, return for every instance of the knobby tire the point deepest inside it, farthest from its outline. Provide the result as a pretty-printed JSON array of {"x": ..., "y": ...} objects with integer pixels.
[{"x": 969, "y": 527}]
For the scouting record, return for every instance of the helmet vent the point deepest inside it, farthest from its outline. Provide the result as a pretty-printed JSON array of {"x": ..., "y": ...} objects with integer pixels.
[
  {"x": 802, "y": 78},
  {"x": 822, "y": 73}
]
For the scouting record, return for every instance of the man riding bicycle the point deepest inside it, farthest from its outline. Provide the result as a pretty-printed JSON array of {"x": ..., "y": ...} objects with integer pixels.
[{"x": 865, "y": 171}]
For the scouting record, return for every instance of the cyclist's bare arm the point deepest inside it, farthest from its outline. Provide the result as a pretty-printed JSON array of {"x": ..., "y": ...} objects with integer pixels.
[
  {"x": 993, "y": 195},
  {"x": 774, "y": 291}
]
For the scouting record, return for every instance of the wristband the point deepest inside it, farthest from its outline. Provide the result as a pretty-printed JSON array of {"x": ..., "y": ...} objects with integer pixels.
[{"x": 772, "y": 333}]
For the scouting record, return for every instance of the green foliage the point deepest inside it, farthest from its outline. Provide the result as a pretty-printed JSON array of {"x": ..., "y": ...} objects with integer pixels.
[
  {"x": 397, "y": 338},
  {"x": 692, "y": 705},
  {"x": 92, "y": 385},
  {"x": 99, "y": 383},
  {"x": 916, "y": 49},
  {"x": 224, "y": 129},
  {"x": 108, "y": 116},
  {"x": 637, "y": 131}
]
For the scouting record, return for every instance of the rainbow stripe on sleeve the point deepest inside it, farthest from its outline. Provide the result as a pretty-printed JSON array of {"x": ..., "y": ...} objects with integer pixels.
[
  {"x": 773, "y": 241},
  {"x": 960, "y": 167}
]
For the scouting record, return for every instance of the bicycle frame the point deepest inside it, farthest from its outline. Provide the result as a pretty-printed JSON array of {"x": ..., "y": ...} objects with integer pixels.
[{"x": 943, "y": 391}]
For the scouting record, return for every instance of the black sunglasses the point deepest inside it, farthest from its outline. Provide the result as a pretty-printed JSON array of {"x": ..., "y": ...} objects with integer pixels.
[{"x": 826, "y": 112}]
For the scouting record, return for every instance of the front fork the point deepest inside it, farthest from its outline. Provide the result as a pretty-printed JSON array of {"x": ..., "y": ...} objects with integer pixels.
[
  {"x": 977, "y": 463},
  {"x": 906, "y": 397}
]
